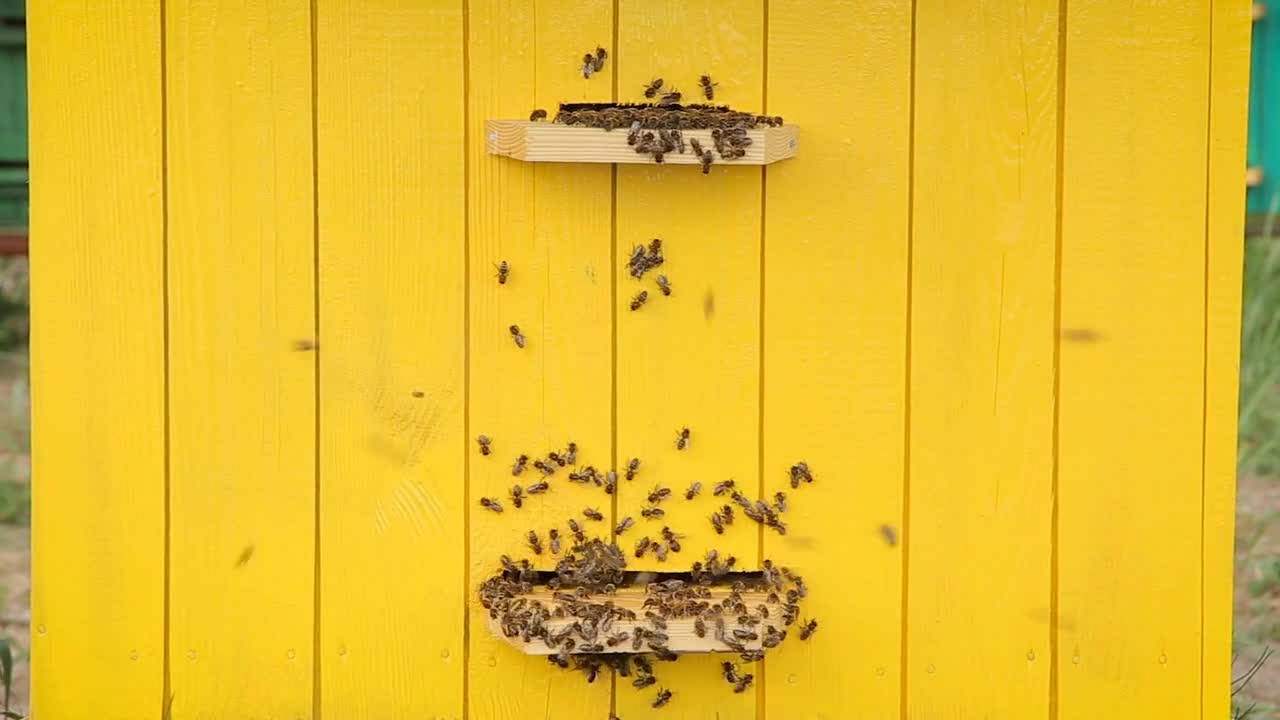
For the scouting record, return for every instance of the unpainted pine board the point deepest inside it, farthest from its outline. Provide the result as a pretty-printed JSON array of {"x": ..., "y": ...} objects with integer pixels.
[
  {"x": 97, "y": 359},
  {"x": 1132, "y": 359},
  {"x": 691, "y": 359},
  {"x": 1228, "y": 126},
  {"x": 540, "y": 141},
  {"x": 835, "y": 334},
  {"x": 392, "y": 358},
  {"x": 551, "y": 224},
  {"x": 241, "y": 399},
  {"x": 982, "y": 360}
]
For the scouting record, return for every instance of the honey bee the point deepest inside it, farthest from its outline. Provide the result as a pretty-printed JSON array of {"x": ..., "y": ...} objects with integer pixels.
[
  {"x": 682, "y": 438},
  {"x": 554, "y": 536},
  {"x": 517, "y": 496},
  {"x": 660, "y": 552},
  {"x": 653, "y": 87},
  {"x": 571, "y": 453},
  {"x": 555, "y": 458},
  {"x": 717, "y": 522},
  {"x": 752, "y": 655},
  {"x": 633, "y": 467},
  {"x": 670, "y": 98},
  {"x": 743, "y": 683},
  {"x": 708, "y": 87},
  {"x": 642, "y": 545},
  {"x": 664, "y": 285},
  {"x": 504, "y": 270},
  {"x": 544, "y": 467},
  {"x": 617, "y": 638},
  {"x": 597, "y": 63},
  {"x": 588, "y": 66},
  {"x": 889, "y": 534},
  {"x": 707, "y": 159},
  {"x": 780, "y": 501},
  {"x": 519, "y": 465},
  {"x": 516, "y": 336},
  {"x": 534, "y": 543},
  {"x": 659, "y": 494},
  {"x": 623, "y": 526},
  {"x": 808, "y": 629},
  {"x": 740, "y": 634},
  {"x": 655, "y": 251},
  {"x": 693, "y": 491},
  {"x": 696, "y": 145},
  {"x": 652, "y": 513},
  {"x": 610, "y": 483},
  {"x": 643, "y": 296},
  {"x": 538, "y": 488},
  {"x": 664, "y": 697},
  {"x": 484, "y": 441},
  {"x": 643, "y": 681},
  {"x": 491, "y": 504},
  {"x": 591, "y": 648},
  {"x": 722, "y": 487},
  {"x": 800, "y": 473}
]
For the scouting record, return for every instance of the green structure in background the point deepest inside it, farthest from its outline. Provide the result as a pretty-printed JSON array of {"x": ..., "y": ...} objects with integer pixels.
[
  {"x": 1264, "y": 122},
  {"x": 13, "y": 115}
]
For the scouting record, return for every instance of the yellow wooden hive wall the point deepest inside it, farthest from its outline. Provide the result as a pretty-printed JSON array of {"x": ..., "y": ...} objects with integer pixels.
[{"x": 994, "y": 303}]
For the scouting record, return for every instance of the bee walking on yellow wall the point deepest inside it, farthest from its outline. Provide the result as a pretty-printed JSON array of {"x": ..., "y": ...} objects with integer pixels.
[
  {"x": 490, "y": 504},
  {"x": 682, "y": 439},
  {"x": 516, "y": 335},
  {"x": 708, "y": 87},
  {"x": 651, "y": 90},
  {"x": 484, "y": 441}
]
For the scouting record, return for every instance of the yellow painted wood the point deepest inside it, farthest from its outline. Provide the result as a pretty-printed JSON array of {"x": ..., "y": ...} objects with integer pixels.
[
  {"x": 97, "y": 351},
  {"x": 241, "y": 400},
  {"x": 691, "y": 359},
  {"x": 1228, "y": 125},
  {"x": 835, "y": 305},
  {"x": 1132, "y": 402},
  {"x": 392, "y": 365},
  {"x": 982, "y": 352},
  {"x": 552, "y": 142},
  {"x": 551, "y": 224}
]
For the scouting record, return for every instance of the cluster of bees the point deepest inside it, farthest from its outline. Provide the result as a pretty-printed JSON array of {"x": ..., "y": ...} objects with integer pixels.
[
  {"x": 642, "y": 260},
  {"x": 589, "y": 630}
]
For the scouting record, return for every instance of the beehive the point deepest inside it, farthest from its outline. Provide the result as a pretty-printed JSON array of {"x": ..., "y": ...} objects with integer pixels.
[{"x": 993, "y": 303}]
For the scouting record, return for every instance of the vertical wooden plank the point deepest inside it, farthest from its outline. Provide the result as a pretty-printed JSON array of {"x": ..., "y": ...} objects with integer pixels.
[
  {"x": 835, "y": 322},
  {"x": 97, "y": 349},
  {"x": 551, "y": 223},
  {"x": 691, "y": 359},
  {"x": 1132, "y": 366},
  {"x": 982, "y": 349},
  {"x": 1228, "y": 127},
  {"x": 392, "y": 366},
  {"x": 242, "y": 401}
]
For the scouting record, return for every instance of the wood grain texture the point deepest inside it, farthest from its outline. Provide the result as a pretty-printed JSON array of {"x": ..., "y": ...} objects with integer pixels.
[
  {"x": 1132, "y": 403},
  {"x": 551, "y": 224},
  {"x": 97, "y": 351},
  {"x": 551, "y": 142},
  {"x": 982, "y": 351},
  {"x": 392, "y": 366},
  {"x": 241, "y": 400},
  {"x": 835, "y": 318},
  {"x": 691, "y": 359},
  {"x": 1228, "y": 126}
]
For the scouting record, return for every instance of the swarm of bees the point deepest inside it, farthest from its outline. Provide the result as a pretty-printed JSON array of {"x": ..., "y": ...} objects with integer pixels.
[
  {"x": 584, "y": 623},
  {"x": 657, "y": 129}
]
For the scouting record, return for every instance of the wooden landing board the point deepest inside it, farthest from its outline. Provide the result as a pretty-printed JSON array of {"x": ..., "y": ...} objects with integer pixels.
[
  {"x": 683, "y": 638},
  {"x": 549, "y": 142}
]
